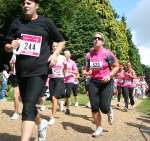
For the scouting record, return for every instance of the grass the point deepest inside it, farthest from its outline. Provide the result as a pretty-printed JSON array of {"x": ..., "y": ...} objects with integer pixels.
[
  {"x": 144, "y": 106},
  {"x": 82, "y": 99}
]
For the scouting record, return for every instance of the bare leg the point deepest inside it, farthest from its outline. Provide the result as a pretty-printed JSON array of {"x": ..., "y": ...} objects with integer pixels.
[
  {"x": 16, "y": 99},
  {"x": 27, "y": 128},
  {"x": 54, "y": 105},
  {"x": 97, "y": 118}
]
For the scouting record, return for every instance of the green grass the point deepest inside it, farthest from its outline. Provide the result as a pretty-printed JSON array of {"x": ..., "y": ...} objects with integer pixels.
[
  {"x": 144, "y": 106},
  {"x": 82, "y": 99}
]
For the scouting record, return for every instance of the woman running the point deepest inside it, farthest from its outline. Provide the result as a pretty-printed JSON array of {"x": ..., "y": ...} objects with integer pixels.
[
  {"x": 32, "y": 35},
  {"x": 56, "y": 83},
  {"x": 102, "y": 65}
]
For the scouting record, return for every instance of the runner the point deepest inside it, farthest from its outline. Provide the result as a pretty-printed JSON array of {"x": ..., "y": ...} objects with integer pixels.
[
  {"x": 71, "y": 72},
  {"x": 75, "y": 89},
  {"x": 120, "y": 80},
  {"x": 129, "y": 76},
  {"x": 14, "y": 84},
  {"x": 56, "y": 84},
  {"x": 87, "y": 82},
  {"x": 32, "y": 35},
  {"x": 143, "y": 87},
  {"x": 5, "y": 76},
  {"x": 102, "y": 64}
]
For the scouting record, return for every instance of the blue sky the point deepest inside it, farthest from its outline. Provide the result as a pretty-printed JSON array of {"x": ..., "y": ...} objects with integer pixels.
[
  {"x": 123, "y": 6},
  {"x": 137, "y": 13}
]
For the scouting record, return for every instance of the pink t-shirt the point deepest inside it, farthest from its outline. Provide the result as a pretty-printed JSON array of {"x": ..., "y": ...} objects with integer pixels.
[
  {"x": 96, "y": 61},
  {"x": 128, "y": 80},
  {"x": 70, "y": 72},
  {"x": 120, "y": 78},
  {"x": 58, "y": 69}
]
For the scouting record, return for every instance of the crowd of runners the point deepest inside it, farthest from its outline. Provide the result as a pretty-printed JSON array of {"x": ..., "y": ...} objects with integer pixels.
[{"x": 40, "y": 69}]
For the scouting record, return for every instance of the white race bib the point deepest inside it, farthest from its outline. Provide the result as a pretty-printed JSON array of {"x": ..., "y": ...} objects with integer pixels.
[
  {"x": 30, "y": 45},
  {"x": 95, "y": 64},
  {"x": 56, "y": 71}
]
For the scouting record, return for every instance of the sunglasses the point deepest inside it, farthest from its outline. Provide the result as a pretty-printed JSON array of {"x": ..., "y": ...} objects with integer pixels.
[{"x": 98, "y": 38}]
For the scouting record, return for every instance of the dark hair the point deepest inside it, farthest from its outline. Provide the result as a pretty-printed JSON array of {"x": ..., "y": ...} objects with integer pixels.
[
  {"x": 37, "y": 1},
  {"x": 6, "y": 67}
]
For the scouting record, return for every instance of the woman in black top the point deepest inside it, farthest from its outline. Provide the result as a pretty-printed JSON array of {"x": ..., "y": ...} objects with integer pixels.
[{"x": 31, "y": 37}]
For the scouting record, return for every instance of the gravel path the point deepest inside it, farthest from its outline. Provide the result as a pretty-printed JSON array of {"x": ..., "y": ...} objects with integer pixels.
[{"x": 78, "y": 126}]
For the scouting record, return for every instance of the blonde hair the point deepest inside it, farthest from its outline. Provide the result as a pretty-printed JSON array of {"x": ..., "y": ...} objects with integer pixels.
[{"x": 100, "y": 33}]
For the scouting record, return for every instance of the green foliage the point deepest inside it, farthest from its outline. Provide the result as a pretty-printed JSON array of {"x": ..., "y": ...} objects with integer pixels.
[
  {"x": 78, "y": 20},
  {"x": 133, "y": 54},
  {"x": 144, "y": 106},
  {"x": 147, "y": 73}
]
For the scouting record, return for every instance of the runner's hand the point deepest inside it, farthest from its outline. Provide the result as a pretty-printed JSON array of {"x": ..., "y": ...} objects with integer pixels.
[
  {"x": 52, "y": 59},
  {"x": 15, "y": 44},
  {"x": 107, "y": 79}
]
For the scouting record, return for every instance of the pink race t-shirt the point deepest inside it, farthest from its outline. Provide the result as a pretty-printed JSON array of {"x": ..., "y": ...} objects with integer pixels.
[
  {"x": 70, "y": 72},
  {"x": 128, "y": 81},
  {"x": 58, "y": 69},
  {"x": 96, "y": 61},
  {"x": 120, "y": 78}
]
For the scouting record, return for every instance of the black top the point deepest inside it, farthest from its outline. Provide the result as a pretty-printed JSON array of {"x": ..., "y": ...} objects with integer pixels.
[{"x": 27, "y": 66}]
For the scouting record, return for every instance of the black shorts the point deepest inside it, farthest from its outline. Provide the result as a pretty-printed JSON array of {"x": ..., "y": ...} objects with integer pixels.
[
  {"x": 57, "y": 87},
  {"x": 100, "y": 95},
  {"x": 68, "y": 88},
  {"x": 75, "y": 89},
  {"x": 13, "y": 80}
]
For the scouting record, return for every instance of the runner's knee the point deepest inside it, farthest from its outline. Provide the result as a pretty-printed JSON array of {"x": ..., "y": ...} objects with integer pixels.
[{"x": 29, "y": 111}]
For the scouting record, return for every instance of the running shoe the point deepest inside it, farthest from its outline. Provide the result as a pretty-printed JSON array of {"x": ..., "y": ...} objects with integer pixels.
[
  {"x": 51, "y": 121},
  {"x": 76, "y": 104},
  {"x": 42, "y": 130},
  {"x": 15, "y": 116},
  {"x": 42, "y": 108},
  {"x": 125, "y": 109},
  {"x": 118, "y": 104},
  {"x": 67, "y": 112},
  {"x": 88, "y": 105},
  {"x": 97, "y": 132},
  {"x": 110, "y": 117}
]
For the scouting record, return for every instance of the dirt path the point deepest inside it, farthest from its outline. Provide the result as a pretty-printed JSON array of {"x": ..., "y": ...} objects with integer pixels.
[{"x": 128, "y": 126}]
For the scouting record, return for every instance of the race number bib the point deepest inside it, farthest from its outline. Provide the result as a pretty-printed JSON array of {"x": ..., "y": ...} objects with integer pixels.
[
  {"x": 56, "y": 71},
  {"x": 30, "y": 45},
  {"x": 95, "y": 64},
  {"x": 120, "y": 80}
]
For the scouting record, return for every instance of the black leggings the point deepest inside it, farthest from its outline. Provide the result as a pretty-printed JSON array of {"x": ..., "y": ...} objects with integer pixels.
[
  {"x": 31, "y": 89},
  {"x": 128, "y": 93},
  {"x": 100, "y": 95}
]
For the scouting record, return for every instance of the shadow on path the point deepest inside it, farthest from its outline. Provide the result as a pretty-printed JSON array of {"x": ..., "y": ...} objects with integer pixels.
[
  {"x": 8, "y": 112},
  {"x": 81, "y": 116},
  {"x": 78, "y": 128},
  {"x": 142, "y": 128},
  {"x": 9, "y": 137}
]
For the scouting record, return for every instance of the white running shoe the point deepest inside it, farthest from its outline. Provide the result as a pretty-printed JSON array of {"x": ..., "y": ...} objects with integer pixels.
[
  {"x": 125, "y": 109},
  {"x": 110, "y": 117},
  {"x": 15, "y": 116},
  {"x": 42, "y": 108},
  {"x": 97, "y": 132},
  {"x": 42, "y": 130},
  {"x": 88, "y": 105},
  {"x": 51, "y": 121},
  {"x": 76, "y": 104}
]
